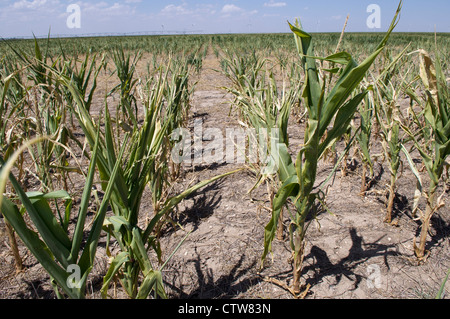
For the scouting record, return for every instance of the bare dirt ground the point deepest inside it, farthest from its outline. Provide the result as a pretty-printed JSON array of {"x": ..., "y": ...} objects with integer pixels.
[{"x": 351, "y": 253}]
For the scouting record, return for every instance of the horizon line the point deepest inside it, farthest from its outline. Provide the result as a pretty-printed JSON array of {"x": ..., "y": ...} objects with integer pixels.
[{"x": 194, "y": 32}]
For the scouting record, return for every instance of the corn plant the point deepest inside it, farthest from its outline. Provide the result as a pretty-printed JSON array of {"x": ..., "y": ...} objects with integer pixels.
[
  {"x": 432, "y": 138},
  {"x": 18, "y": 123},
  {"x": 42, "y": 102},
  {"x": 195, "y": 60},
  {"x": 389, "y": 117},
  {"x": 262, "y": 107},
  {"x": 145, "y": 153},
  {"x": 298, "y": 184},
  {"x": 11, "y": 116},
  {"x": 125, "y": 70},
  {"x": 265, "y": 111},
  {"x": 58, "y": 251},
  {"x": 177, "y": 94},
  {"x": 82, "y": 75},
  {"x": 366, "y": 112},
  {"x": 242, "y": 70}
]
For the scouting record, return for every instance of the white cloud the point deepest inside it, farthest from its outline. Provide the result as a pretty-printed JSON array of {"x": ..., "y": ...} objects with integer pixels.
[
  {"x": 103, "y": 10},
  {"x": 231, "y": 8},
  {"x": 34, "y": 5},
  {"x": 177, "y": 10},
  {"x": 197, "y": 12},
  {"x": 29, "y": 4},
  {"x": 273, "y": 4},
  {"x": 21, "y": 10}
]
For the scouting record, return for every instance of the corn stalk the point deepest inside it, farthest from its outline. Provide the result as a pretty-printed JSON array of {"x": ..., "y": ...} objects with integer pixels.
[
  {"x": 366, "y": 112},
  {"x": 264, "y": 110},
  {"x": 389, "y": 118},
  {"x": 432, "y": 139},
  {"x": 322, "y": 107},
  {"x": 125, "y": 71}
]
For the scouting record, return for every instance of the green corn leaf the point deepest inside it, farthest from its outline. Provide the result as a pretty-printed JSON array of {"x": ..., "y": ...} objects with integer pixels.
[
  {"x": 342, "y": 121},
  {"x": 311, "y": 156},
  {"x": 121, "y": 189},
  {"x": 440, "y": 294},
  {"x": 44, "y": 220},
  {"x": 42, "y": 206},
  {"x": 333, "y": 70},
  {"x": 286, "y": 167},
  {"x": 351, "y": 78},
  {"x": 118, "y": 222},
  {"x": 140, "y": 253},
  {"x": 36, "y": 246},
  {"x": 339, "y": 58},
  {"x": 153, "y": 278},
  {"x": 87, "y": 257},
  {"x": 289, "y": 189},
  {"x": 61, "y": 194},
  {"x": 114, "y": 267},
  {"x": 343, "y": 89},
  {"x": 154, "y": 281},
  {"x": 84, "y": 204}
]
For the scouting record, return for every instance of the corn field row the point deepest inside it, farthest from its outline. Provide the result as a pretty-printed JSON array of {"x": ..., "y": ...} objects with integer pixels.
[{"x": 52, "y": 131}]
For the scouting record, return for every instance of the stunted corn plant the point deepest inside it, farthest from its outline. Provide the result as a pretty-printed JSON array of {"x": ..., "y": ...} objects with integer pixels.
[
  {"x": 13, "y": 125},
  {"x": 431, "y": 138},
  {"x": 44, "y": 114},
  {"x": 335, "y": 107},
  {"x": 62, "y": 253},
  {"x": 264, "y": 110},
  {"x": 243, "y": 70},
  {"x": 363, "y": 136},
  {"x": 31, "y": 104},
  {"x": 14, "y": 121},
  {"x": 125, "y": 71},
  {"x": 387, "y": 90},
  {"x": 82, "y": 75},
  {"x": 177, "y": 95},
  {"x": 145, "y": 154}
]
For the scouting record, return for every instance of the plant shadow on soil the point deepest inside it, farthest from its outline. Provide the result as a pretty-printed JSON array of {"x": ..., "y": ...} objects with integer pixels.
[
  {"x": 359, "y": 253},
  {"x": 204, "y": 204},
  {"x": 228, "y": 285},
  {"x": 224, "y": 287}
]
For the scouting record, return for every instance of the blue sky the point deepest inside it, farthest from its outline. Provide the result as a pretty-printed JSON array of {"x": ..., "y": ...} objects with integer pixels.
[{"x": 25, "y": 17}]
